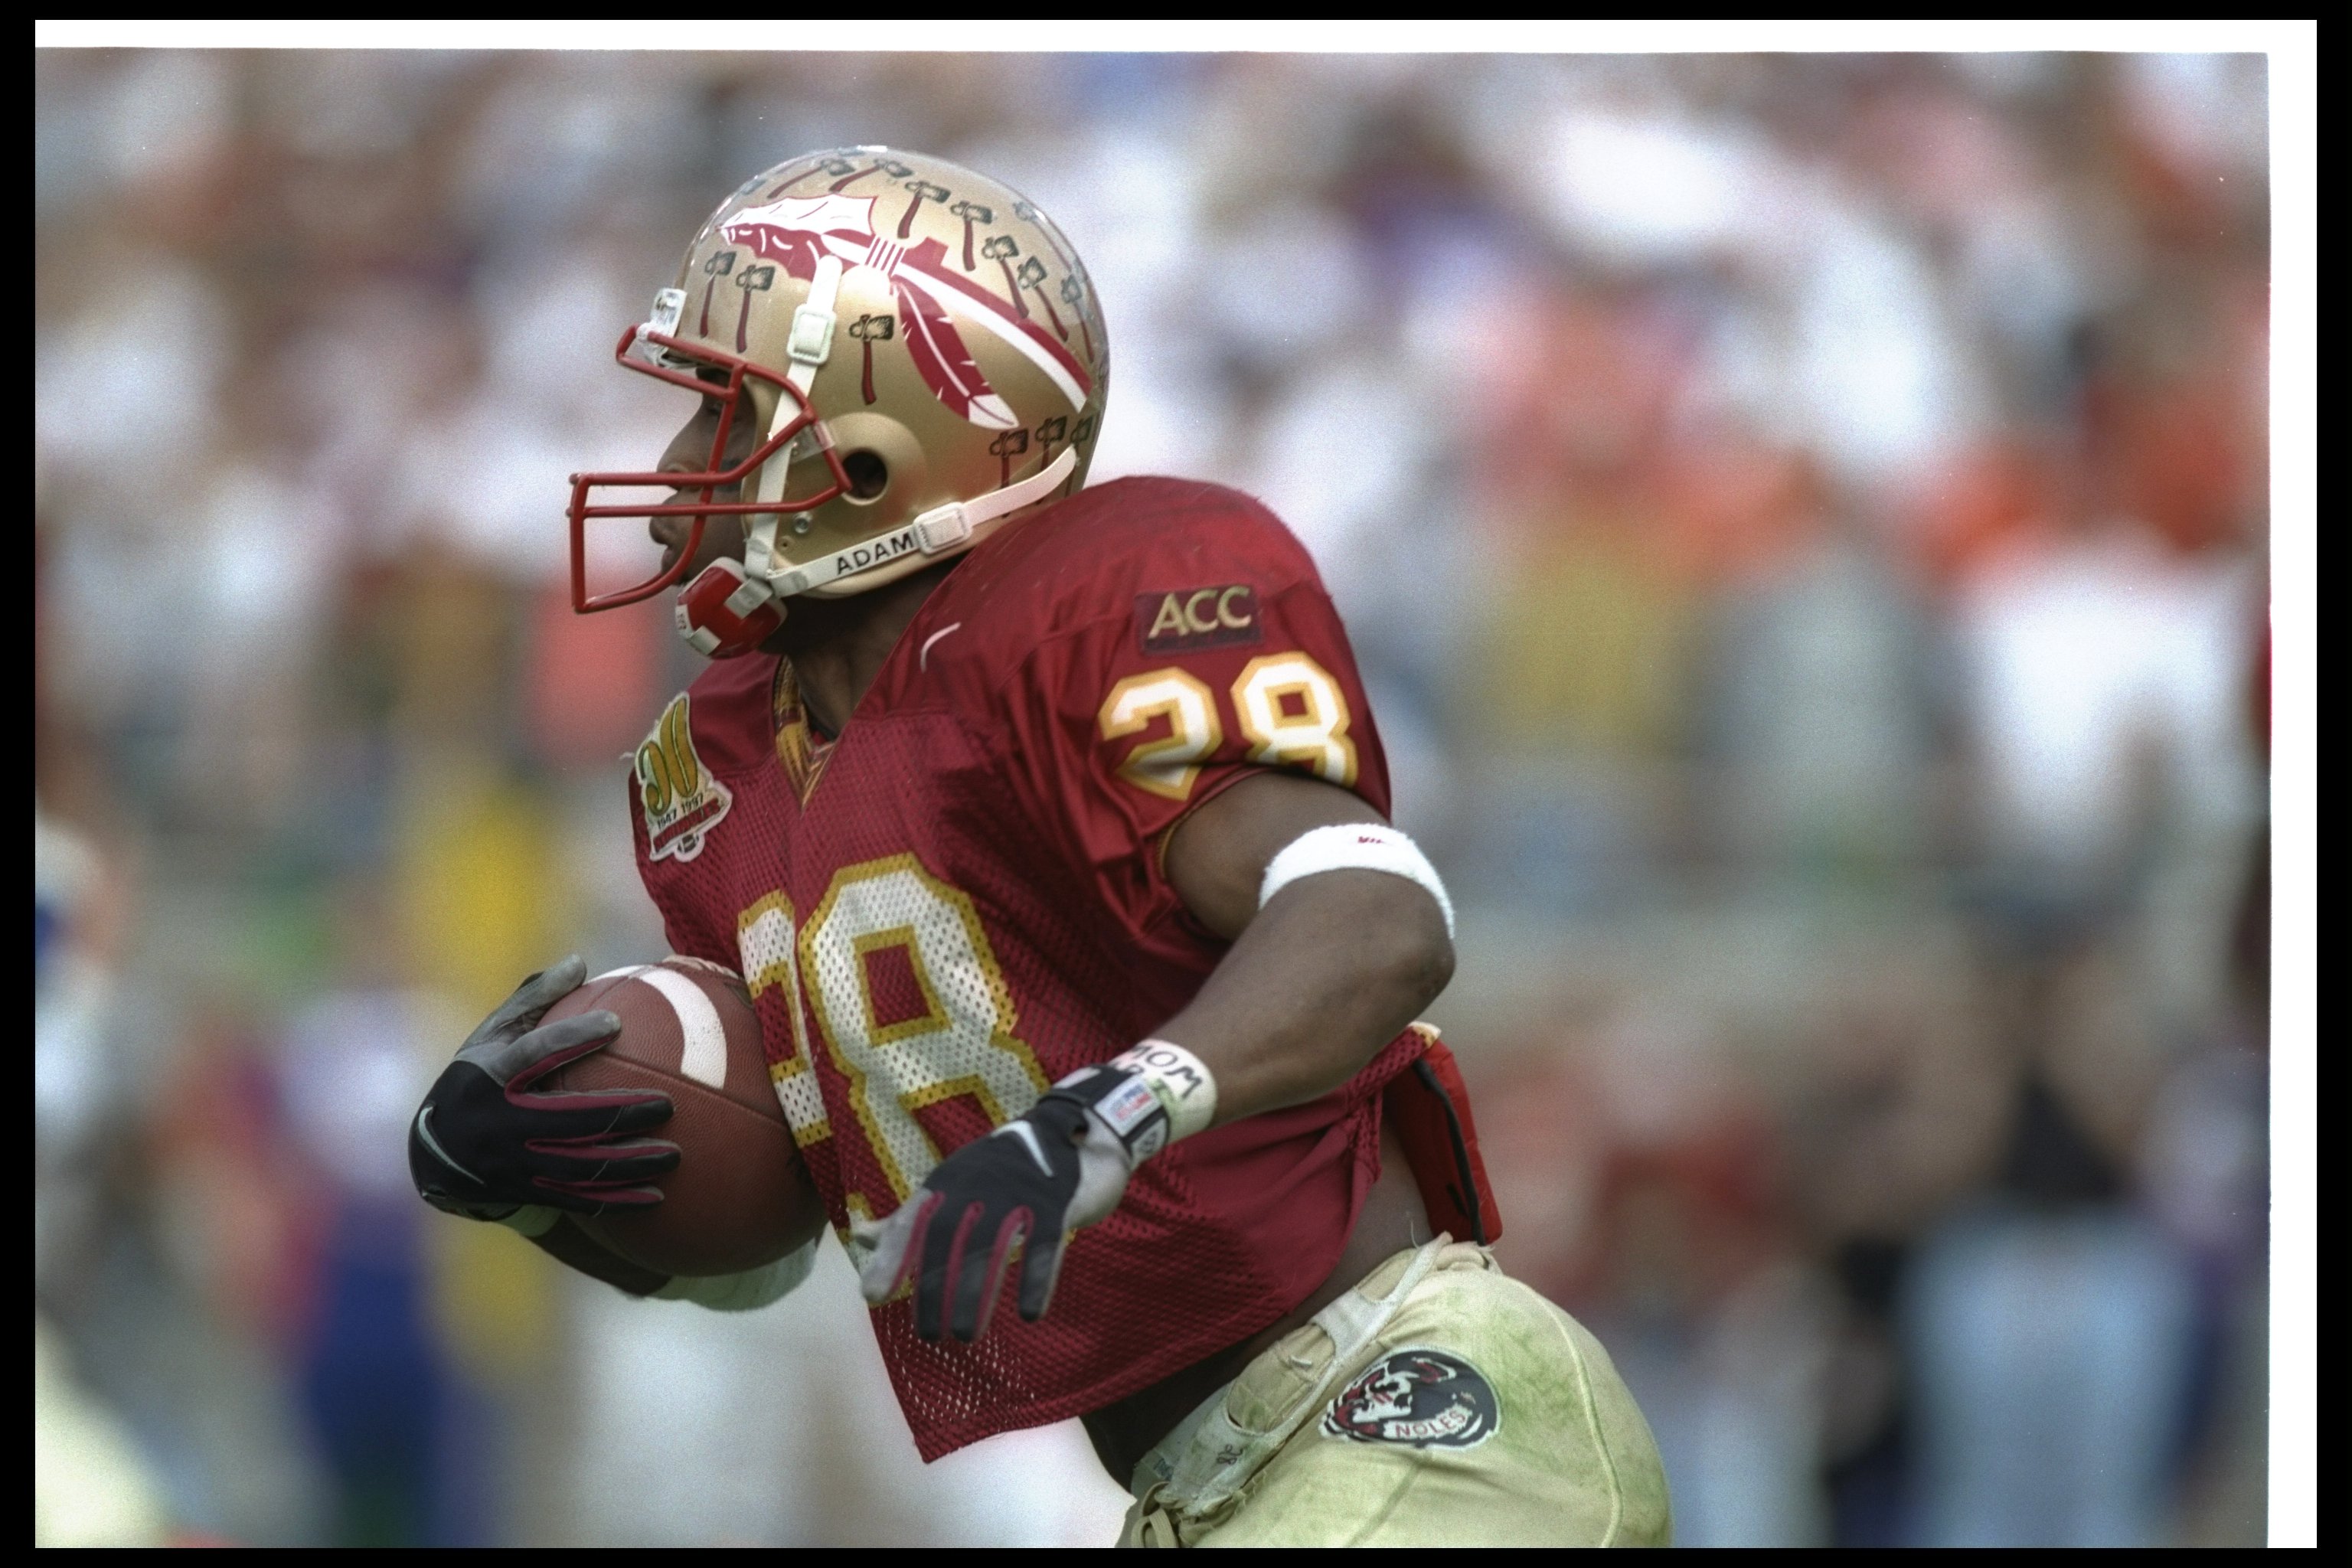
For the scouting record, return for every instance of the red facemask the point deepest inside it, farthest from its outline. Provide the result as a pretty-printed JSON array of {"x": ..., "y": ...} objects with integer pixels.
[{"x": 714, "y": 476}]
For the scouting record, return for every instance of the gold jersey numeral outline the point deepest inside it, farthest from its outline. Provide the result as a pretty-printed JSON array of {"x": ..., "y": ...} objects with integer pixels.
[{"x": 1290, "y": 708}]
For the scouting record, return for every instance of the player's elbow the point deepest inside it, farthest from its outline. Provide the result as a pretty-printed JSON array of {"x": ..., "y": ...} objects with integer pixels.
[
  {"x": 1433, "y": 966},
  {"x": 1408, "y": 949}
]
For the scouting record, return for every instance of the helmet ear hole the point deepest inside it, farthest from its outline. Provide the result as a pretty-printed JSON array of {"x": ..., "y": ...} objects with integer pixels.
[{"x": 869, "y": 476}]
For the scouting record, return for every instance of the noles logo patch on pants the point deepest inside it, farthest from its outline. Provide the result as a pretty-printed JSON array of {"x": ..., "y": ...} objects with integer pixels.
[{"x": 1421, "y": 1397}]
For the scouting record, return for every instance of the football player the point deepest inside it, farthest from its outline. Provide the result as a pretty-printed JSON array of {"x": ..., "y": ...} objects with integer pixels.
[{"x": 1048, "y": 826}]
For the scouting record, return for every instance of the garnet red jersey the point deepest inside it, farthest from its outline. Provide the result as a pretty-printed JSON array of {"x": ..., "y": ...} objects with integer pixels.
[{"x": 961, "y": 899}]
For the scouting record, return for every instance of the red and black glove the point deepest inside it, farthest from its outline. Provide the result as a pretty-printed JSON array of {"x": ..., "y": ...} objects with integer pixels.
[
  {"x": 1062, "y": 1165},
  {"x": 485, "y": 1143}
]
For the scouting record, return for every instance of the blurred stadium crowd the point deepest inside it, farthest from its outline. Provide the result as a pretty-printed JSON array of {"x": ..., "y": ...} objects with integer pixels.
[{"x": 1805, "y": 520}]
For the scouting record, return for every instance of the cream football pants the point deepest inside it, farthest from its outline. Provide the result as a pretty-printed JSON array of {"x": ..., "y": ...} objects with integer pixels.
[{"x": 1439, "y": 1403}]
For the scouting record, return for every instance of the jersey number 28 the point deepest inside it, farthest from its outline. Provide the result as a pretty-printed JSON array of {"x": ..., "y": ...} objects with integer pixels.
[{"x": 960, "y": 1041}]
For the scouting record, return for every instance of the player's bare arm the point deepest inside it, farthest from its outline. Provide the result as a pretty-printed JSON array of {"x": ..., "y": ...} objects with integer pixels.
[{"x": 1319, "y": 979}]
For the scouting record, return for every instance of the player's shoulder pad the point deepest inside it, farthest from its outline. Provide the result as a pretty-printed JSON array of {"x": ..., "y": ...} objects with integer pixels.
[
  {"x": 1101, "y": 553},
  {"x": 726, "y": 711}
]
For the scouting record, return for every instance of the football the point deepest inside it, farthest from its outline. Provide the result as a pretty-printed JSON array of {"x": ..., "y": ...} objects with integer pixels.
[{"x": 740, "y": 1197}]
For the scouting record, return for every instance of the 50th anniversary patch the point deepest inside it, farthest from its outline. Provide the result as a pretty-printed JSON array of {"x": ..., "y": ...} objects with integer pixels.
[{"x": 1419, "y": 1398}]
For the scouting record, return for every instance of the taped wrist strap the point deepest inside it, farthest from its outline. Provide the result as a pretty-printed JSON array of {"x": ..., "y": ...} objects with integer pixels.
[{"x": 1158, "y": 1092}]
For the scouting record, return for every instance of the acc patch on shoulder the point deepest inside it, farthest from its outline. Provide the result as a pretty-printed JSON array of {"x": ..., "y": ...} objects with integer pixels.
[
  {"x": 1187, "y": 618},
  {"x": 681, "y": 801},
  {"x": 1417, "y": 1397}
]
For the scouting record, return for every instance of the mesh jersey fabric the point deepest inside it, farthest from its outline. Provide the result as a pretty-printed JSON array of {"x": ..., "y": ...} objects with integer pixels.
[{"x": 961, "y": 899}]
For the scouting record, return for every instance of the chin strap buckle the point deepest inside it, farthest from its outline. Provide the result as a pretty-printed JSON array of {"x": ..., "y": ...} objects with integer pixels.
[
  {"x": 812, "y": 336},
  {"x": 956, "y": 524},
  {"x": 810, "y": 344},
  {"x": 943, "y": 527}
]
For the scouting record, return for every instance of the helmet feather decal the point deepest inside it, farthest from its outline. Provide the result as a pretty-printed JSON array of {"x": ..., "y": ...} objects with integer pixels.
[{"x": 947, "y": 365}]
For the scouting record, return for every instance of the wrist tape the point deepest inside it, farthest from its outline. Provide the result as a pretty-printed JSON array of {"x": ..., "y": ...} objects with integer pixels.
[
  {"x": 1354, "y": 847},
  {"x": 1162, "y": 1092}
]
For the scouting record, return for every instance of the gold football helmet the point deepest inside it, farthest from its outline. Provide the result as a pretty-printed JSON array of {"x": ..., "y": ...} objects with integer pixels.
[{"x": 924, "y": 358}]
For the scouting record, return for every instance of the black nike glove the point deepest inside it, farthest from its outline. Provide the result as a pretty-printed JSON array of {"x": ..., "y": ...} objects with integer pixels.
[
  {"x": 484, "y": 1144},
  {"x": 1061, "y": 1166}
]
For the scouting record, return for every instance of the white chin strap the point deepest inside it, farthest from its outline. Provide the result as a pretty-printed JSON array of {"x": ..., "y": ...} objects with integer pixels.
[
  {"x": 808, "y": 345},
  {"x": 944, "y": 529},
  {"x": 941, "y": 530}
]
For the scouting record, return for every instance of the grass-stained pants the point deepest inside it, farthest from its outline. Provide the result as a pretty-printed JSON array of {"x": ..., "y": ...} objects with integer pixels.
[{"x": 1440, "y": 1402}]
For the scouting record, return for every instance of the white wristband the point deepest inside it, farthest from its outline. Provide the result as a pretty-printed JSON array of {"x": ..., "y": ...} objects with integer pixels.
[
  {"x": 1353, "y": 847},
  {"x": 1179, "y": 1080}
]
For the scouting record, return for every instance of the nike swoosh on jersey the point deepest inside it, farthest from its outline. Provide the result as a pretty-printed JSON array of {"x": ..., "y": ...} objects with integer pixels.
[{"x": 923, "y": 655}]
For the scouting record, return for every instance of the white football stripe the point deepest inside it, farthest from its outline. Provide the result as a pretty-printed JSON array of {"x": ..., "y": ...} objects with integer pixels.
[
  {"x": 628, "y": 972},
  {"x": 704, "y": 1057}
]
